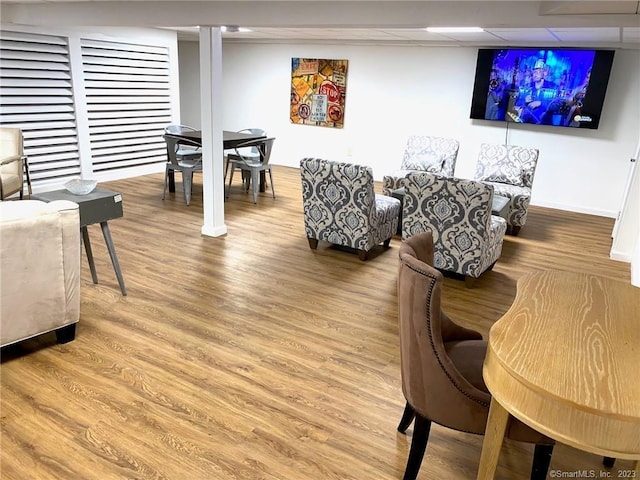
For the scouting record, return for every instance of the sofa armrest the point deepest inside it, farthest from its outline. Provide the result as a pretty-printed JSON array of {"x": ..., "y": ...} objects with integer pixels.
[{"x": 40, "y": 267}]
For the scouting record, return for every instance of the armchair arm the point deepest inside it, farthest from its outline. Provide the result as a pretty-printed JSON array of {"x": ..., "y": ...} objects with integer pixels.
[
  {"x": 11, "y": 159},
  {"x": 393, "y": 182}
]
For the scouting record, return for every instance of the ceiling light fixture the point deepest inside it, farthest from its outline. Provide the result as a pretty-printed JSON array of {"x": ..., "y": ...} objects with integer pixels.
[
  {"x": 454, "y": 29},
  {"x": 234, "y": 29}
]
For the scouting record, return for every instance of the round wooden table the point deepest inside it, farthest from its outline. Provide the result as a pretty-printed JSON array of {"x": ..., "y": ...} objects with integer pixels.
[{"x": 565, "y": 360}]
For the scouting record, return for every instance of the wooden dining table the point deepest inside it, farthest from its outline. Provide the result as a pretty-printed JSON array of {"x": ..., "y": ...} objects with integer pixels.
[
  {"x": 564, "y": 360},
  {"x": 230, "y": 140}
]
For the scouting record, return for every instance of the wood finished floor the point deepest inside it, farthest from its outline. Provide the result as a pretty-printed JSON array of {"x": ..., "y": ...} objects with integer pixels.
[{"x": 250, "y": 356}]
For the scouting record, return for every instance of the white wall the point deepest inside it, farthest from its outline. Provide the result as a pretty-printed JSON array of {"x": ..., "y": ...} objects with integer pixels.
[{"x": 393, "y": 92}]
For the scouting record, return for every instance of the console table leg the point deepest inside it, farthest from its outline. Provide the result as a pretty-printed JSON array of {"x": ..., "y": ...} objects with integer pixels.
[
  {"x": 87, "y": 249},
  {"x": 492, "y": 443},
  {"x": 112, "y": 254}
]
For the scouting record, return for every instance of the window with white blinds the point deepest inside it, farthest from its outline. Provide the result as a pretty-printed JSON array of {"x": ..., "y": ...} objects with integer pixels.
[
  {"x": 36, "y": 95},
  {"x": 128, "y": 95}
]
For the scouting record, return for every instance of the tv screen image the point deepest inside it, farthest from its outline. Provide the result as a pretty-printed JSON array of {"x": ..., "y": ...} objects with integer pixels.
[{"x": 558, "y": 87}]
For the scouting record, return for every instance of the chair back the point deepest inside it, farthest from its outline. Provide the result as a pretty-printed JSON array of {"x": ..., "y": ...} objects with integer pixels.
[
  {"x": 173, "y": 146},
  {"x": 431, "y": 382},
  {"x": 12, "y": 157},
  {"x": 458, "y": 214},
  {"x": 251, "y": 151},
  {"x": 262, "y": 145},
  {"x": 508, "y": 164},
  {"x": 339, "y": 202},
  {"x": 178, "y": 129},
  {"x": 11, "y": 142},
  {"x": 431, "y": 154}
]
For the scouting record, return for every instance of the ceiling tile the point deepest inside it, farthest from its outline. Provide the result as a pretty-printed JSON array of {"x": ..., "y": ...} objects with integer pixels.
[
  {"x": 603, "y": 34},
  {"x": 524, "y": 34},
  {"x": 631, "y": 35}
]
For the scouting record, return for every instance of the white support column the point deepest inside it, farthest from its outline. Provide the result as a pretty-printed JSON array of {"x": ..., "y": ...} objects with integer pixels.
[{"x": 211, "y": 114}]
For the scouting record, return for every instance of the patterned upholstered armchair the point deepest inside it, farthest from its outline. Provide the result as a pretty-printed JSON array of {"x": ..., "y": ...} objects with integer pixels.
[
  {"x": 424, "y": 154},
  {"x": 467, "y": 238},
  {"x": 510, "y": 170},
  {"x": 341, "y": 207}
]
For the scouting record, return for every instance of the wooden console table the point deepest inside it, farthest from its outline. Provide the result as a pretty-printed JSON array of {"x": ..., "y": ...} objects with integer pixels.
[{"x": 564, "y": 359}]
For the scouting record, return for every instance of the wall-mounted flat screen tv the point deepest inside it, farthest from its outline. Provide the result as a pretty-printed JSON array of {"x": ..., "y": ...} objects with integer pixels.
[{"x": 559, "y": 87}]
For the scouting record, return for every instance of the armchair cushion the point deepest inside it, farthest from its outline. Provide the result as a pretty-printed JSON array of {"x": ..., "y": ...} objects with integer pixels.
[
  {"x": 426, "y": 161},
  {"x": 426, "y": 154},
  {"x": 509, "y": 164},
  {"x": 507, "y": 172}
]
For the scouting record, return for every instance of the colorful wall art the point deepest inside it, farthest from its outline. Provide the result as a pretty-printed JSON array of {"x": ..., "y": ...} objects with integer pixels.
[{"x": 318, "y": 91}]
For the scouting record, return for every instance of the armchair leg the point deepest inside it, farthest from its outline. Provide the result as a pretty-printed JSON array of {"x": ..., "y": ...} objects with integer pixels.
[
  {"x": 407, "y": 417},
  {"x": 313, "y": 243},
  {"x": 387, "y": 242},
  {"x": 27, "y": 174},
  {"x": 515, "y": 229},
  {"x": 363, "y": 255},
  {"x": 608, "y": 461},
  {"x": 541, "y": 461},
  {"x": 421, "y": 429}
]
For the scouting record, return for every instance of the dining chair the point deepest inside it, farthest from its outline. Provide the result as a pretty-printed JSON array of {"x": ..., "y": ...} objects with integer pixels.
[
  {"x": 254, "y": 166},
  {"x": 184, "y": 151},
  {"x": 441, "y": 364},
  {"x": 177, "y": 162},
  {"x": 251, "y": 152}
]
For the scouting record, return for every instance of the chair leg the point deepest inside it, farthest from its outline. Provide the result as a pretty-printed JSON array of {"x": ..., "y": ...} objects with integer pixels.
[
  {"x": 421, "y": 429},
  {"x": 407, "y": 417},
  {"x": 387, "y": 242},
  {"x": 541, "y": 461},
  {"x": 233, "y": 169},
  {"x": 515, "y": 229},
  {"x": 363, "y": 255},
  {"x": 187, "y": 182},
  {"x": 256, "y": 184},
  {"x": 313, "y": 243},
  {"x": 273, "y": 190},
  {"x": 608, "y": 461},
  {"x": 166, "y": 179}
]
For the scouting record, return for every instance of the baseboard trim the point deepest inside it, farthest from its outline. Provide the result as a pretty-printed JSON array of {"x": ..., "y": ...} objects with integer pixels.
[
  {"x": 620, "y": 256},
  {"x": 578, "y": 209}
]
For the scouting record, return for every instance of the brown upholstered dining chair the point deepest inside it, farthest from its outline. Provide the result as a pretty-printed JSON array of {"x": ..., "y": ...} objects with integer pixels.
[{"x": 441, "y": 363}]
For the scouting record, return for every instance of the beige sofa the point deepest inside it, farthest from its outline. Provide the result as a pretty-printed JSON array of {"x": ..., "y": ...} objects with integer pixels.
[{"x": 39, "y": 269}]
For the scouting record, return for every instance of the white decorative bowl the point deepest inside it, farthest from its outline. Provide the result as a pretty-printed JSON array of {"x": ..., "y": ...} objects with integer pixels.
[{"x": 79, "y": 186}]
